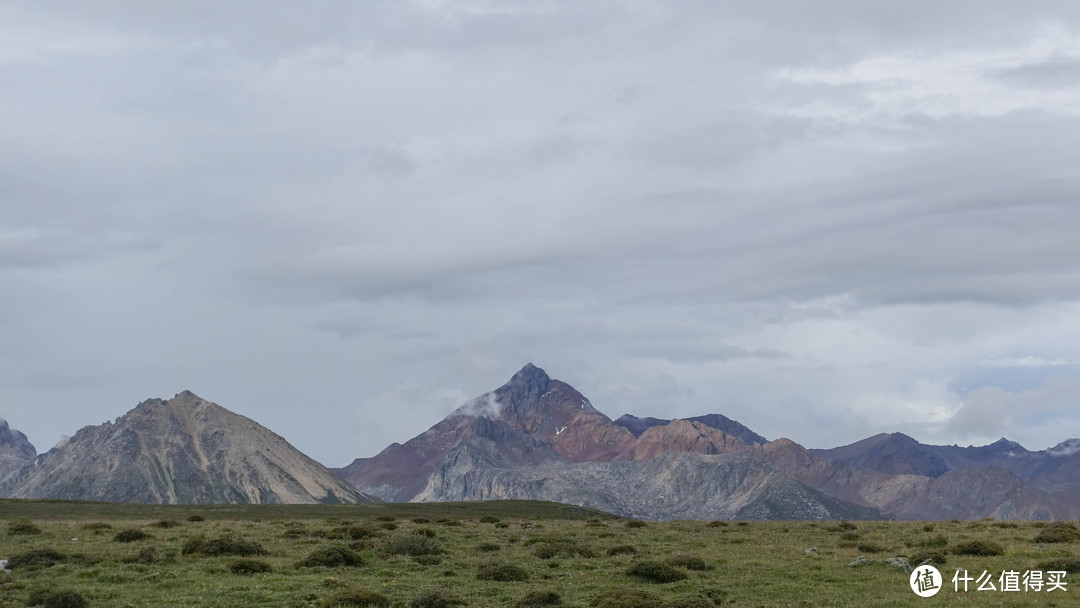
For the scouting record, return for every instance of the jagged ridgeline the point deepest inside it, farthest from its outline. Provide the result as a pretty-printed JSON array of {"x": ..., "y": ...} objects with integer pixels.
[
  {"x": 185, "y": 450},
  {"x": 539, "y": 438}
]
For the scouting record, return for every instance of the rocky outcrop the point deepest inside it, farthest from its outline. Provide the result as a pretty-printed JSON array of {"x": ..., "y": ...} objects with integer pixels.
[
  {"x": 735, "y": 485},
  {"x": 185, "y": 450},
  {"x": 637, "y": 426}
]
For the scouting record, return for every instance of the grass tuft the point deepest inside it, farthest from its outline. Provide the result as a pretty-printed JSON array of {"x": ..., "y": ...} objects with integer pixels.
[
  {"x": 131, "y": 535},
  {"x": 656, "y": 572},
  {"x": 64, "y": 599},
  {"x": 247, "y": 566},
  {"x": 334, "y": 556},
  {"x": 501, "y": 572},
  {"x": 36, "y": 558},
  {"x": 626, "y": 597},
  {"x": 356, "y": 598},
  {"x": 22, "y": 527},
  {"x": 1057, "y": 533},
  {"x": 224, "y": 545},
  {"x": 979, "y": 548},
  {"x": 412, "y": 545},
  {"x": 437, "y": 597},
  {"x": 690, "y": 562},
  {"x": 1068, "y": 564},
  {"x": 539, "y": 599}
]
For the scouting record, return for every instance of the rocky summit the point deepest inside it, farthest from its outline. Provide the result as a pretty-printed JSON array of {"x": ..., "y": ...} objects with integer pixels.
[{"x": 184, "y": 450}]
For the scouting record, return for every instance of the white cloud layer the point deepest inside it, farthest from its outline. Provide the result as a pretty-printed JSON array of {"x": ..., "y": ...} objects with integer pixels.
[{"x": 825, "y": 220}]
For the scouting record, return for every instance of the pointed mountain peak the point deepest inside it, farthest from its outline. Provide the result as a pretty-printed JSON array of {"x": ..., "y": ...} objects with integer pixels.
[
  {"x": 186, "y": 397},
  {"x": 1004, "y": 443},
  {"x": 531, "y": 378},
  {"x": 14, "y": 440}
]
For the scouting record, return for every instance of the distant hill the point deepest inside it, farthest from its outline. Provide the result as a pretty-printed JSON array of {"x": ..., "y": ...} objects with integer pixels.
[{"x": 182, "y": 451}]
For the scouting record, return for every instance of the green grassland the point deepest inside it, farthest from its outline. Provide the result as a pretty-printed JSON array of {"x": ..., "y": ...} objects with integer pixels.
[{"x": 494, "y": 553}]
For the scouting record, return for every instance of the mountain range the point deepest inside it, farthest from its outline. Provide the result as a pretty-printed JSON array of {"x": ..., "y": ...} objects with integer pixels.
[{"x": 539, "y": 438}]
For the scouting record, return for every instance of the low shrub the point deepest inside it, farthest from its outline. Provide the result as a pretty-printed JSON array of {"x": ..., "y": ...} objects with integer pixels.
[
  {"x": 690, "y": 562},
  {"x": 389, "y": 525},
  {"x": 334, "y": 556},
  {"x": 539, "y": 599},
  {"x": 716, "y": 524},
  {"x": 131, "y": 535},
  {"x": 435, "y": 598},
  {"x": 1068, "y": 564},
  {"x": 167, "y": 523},
  {"x": 147, "y": 555},
  {"x": 501, "y": 572},
  {"x": 548, "y": 550},
  {"x": 489, "y": 519},
  {"x": 937, "y": 540},
  {"x": 412, "y": 545},
  {"x": 488, "y": 547},
  {"x": 64, "y": 599},
  {"x": 1057, "y": 533},
  {"x": 626, "y": 597},
  {"x": 979, "y": 548},
  {"x": 870, "y": 548},
  {"x": 224, "y": 545},
  {"x": 622, "y": 550},
  {"x": 1006, "y": 524},
  {"x": 689, "y": 601},
  {"x": 636, "y": 523},
  {"x": 846, "y": 525},
  {"x": 421, "y": 520},
  {"x": 196, "y": 518},
  {"x": 427, "y": 560},
  {"x": 245, "y": 566},
  {"x": 96, "y": 526},
  {"x": 355, "y": 532},
  {"x": 356, "y": 598},
  {"x": 36, "y": 558},
  {"x": 22, "y": 528},
  {"x": 655, "y": 572}
]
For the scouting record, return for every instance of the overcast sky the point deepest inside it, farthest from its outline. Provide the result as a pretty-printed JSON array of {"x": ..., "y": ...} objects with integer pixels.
[{"x": 344, "y": 219}]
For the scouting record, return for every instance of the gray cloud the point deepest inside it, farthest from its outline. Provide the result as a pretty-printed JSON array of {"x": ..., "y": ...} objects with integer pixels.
[{"x": 822, "y": 219}]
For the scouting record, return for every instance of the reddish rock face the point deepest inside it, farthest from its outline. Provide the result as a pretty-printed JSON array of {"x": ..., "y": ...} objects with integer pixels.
[
  {"x": 535, "y": 437},
  {"x": 543, "y": 419}
]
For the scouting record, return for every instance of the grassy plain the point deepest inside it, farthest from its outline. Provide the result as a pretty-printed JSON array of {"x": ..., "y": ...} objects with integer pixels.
[{"x": 497, "y": 553}]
